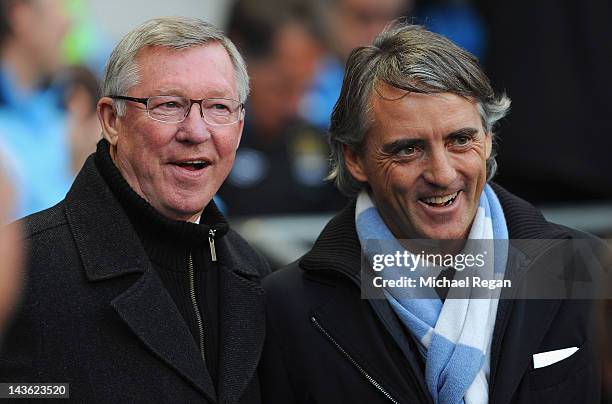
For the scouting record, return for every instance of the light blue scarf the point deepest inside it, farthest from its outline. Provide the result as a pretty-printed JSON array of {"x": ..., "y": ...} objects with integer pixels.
[{"x": 454, "y": 338}]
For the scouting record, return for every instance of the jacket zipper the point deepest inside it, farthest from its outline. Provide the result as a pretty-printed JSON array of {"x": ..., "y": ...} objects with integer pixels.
[
  {"x": 361, "y": 370},
  {"x": 211, "y": 243},
  {"x": 196, "y": 309},
  {"x": 357, "y": 283}
]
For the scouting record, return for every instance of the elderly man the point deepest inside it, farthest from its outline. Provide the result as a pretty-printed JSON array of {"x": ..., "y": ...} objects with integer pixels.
[
  {"x": 412, "y": 140},
  {"x": 138, "y": 290}
]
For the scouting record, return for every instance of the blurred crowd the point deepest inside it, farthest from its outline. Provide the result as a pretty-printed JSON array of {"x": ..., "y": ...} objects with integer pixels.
[
  {"x": 48, "y": 96},
  {"x": 553, "y": 64}
]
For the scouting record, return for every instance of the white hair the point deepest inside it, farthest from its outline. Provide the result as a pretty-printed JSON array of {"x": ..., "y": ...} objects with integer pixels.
[{"x": 121, "y": 71}]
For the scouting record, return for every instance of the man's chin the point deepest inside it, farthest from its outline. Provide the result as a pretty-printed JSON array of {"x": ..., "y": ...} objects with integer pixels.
[
  {"x": 449, "y": 224},
  {"x": 186, "y": 212},
  {"x": 444, "y": 232}
]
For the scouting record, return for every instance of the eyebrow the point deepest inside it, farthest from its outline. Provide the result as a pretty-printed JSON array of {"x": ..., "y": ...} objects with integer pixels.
[
  {"x": 400, "y": 144},
  {"x": 462, "y": 132},
  {"x": 396, "y": 145}
]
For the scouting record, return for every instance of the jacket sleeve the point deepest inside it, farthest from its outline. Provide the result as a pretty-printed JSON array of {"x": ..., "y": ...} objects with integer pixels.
[{"x": 20, "y": 344}]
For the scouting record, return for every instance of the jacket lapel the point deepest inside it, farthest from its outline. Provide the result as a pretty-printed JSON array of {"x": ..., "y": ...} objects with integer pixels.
[
  {"x": 519, "y": 328},
  {"x": 150, "y": 313},
  {"x": 521, "y": 333},
  {"x": 109, "y": 247},
  {"x": 242, "y": 332},
  {"x": 520, "y": 325}
]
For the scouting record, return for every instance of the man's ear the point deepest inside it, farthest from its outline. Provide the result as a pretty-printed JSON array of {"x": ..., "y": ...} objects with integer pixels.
[
  {"x": 354, "y": 163},
  {"x": 109, "y": 120},
  {"x": 240, "y": 128},
  {"x": 488, "y": 144}
]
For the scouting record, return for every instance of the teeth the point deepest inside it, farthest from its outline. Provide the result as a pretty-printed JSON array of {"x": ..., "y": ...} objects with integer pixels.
[
  {"x": 193, "y": 163},
  {"x": 438, "y": 200}
]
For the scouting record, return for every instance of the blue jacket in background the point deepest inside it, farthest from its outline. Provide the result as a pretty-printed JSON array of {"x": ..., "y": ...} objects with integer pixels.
[{"x": 34, "y": 145}]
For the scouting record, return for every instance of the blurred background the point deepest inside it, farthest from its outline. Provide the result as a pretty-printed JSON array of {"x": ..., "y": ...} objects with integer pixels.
[{"x": 552, "y": 57}]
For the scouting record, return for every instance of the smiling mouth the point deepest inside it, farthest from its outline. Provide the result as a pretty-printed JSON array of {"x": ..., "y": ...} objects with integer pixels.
[
  {"x": 194, "y": 165},
  {"x": 441, "y": 201}
]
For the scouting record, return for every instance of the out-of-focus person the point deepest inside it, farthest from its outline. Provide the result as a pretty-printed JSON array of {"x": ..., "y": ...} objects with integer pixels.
[
  {"x": 82, "y": 91},
  {"x": 32, "y": 122},
  {"x": 10, "y": 252},
  {"x": 352, "y": 23},
  {"x": 282, "y": 160}
]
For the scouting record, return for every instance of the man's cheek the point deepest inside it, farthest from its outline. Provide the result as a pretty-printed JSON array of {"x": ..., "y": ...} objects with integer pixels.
[
  {"x": 236, "y": 143},
  {"x": 227, "y": 149}
]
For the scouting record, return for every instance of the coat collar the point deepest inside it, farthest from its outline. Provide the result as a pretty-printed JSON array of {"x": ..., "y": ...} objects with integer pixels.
[
  {"x": 337, "y": 248},
  {"x": 109, "y": 248},
  {"x": 104, "y": 236}
]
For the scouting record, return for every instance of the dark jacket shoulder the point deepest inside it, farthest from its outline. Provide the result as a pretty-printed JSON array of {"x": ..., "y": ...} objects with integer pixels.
[
  {"x": 43, "y": 221},
  {"x": 241, "y": 250}
]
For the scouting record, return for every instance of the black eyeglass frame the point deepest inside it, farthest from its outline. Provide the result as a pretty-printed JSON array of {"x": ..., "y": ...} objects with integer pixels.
[{"x": 192, "y": 101}]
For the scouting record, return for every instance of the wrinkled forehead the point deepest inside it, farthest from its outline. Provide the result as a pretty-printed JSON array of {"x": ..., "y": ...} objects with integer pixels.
[
  {"x": 205, "y": 68},
  {"x": 396, "y": 112},
  {"x": 383, "y": 95},
  {"x": 209, "y": 54}
]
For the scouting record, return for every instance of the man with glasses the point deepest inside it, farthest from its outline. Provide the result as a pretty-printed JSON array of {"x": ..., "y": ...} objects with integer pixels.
[{"x": 138, "y": 289}]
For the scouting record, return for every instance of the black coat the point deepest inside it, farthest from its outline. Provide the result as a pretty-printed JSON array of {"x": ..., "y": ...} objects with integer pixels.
[
  {"x": 327, "y": 345},
  {"x": 96, "y": 315}
]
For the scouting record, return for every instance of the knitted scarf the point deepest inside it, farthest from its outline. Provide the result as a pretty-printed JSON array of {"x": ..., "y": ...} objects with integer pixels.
[{"x": 453, "y": 337}]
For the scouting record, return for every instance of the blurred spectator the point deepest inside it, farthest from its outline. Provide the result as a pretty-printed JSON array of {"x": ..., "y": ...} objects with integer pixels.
[
  {"x": 554, "y": 59},
  {"x": 87, "y": 43},
  {"x": 458, "y": 20},
  {"x": 9, "y": 251},
  {"x": 32, "y": 124},
  {"x": 352, "y": 23},
  {"x": 282, "y": 161},
  {"x": 82, "y": 91}
]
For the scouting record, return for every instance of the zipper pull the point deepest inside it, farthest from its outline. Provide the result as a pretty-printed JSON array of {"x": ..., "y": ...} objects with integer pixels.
[{"x": 211, "y": 242}]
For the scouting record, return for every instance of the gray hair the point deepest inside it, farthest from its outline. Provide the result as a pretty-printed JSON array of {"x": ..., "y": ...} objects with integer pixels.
[
  {"x": 121, "y": 71},
  {"x": 413, "y": 59}
]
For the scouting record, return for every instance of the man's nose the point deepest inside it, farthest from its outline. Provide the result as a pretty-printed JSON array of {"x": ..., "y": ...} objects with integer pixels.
[
  {"x": 193, "y": 128},
  {"x": 439, "y": 169}
]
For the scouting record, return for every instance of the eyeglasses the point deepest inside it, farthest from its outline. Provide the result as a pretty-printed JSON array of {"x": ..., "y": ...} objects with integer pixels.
[{"x": 174, "y": 109}]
